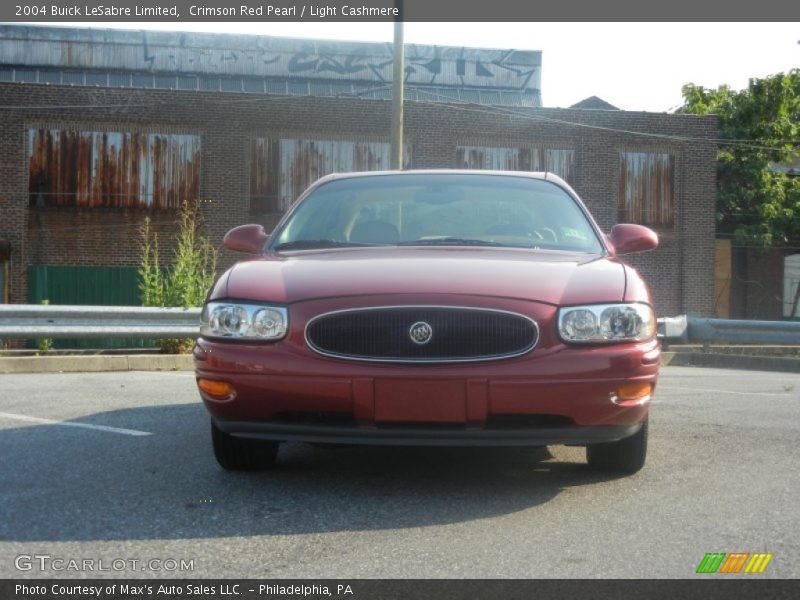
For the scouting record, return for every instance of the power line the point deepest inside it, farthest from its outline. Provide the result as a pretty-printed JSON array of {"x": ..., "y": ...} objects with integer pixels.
[
  {"x": 515, "y": 113},
  {"x": 162, "y": 103},
  {"x": 454, "y": 102}
]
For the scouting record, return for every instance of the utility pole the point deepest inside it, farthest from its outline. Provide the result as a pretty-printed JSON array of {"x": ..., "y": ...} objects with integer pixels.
[{"x": 398, "y": 73}]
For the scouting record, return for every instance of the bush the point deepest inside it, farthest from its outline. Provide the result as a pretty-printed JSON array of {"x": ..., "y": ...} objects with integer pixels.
[
  {"x": 186, "y": 280},
  {"x": 44, "y": 345}
]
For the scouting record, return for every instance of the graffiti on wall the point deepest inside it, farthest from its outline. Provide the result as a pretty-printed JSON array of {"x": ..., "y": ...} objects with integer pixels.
[{"x": 261, "y": 56}]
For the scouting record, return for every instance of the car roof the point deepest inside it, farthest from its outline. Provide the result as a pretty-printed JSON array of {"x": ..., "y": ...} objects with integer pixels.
[
  {"x": 540, "y": 175},
  {"x": 529, "y": 174}
]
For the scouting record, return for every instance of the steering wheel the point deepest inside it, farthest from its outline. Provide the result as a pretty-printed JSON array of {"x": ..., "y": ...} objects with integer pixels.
[{"x": 546, "y": 234}]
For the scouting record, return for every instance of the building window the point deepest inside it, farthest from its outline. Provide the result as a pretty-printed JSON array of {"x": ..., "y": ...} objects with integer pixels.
[
  {"x": 791, "y": 286},
  {"x": 264, "y": 176},
  {"x": 53, "y": 77},
  {"x": 254, "y": 85},
  {"x": 73, "y": 77},
  {"x": 119, "y": 79},
  {"x": 4, "y": 286},
  {"x": 281, "y": 169},
  {"x": 144, "y": 80},
  {"x": 298, "y": 88},
  {"x": 165, "y": 82},
  {"x": 646, "y": 193},
  {"x": 187, "y": 82},
  {"x": 97, "y": 78},
  {"x": 88, "y": 169},
  {"x": 25, "y": 75},
  {"x": 554, "y": 160},
  {"x": 276, "y": 86},
  {"x": 231, "y": 84}
]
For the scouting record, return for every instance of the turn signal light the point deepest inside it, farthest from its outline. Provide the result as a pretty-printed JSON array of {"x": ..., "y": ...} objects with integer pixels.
[
  {"x": 212, "y": 387},
  {"x": 634, "y": 391}
]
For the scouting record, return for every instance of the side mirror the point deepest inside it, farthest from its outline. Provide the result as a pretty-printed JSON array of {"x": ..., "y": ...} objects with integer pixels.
[
  {"x": 246, "y": 238},
  {"x": 628, "y": 238}
]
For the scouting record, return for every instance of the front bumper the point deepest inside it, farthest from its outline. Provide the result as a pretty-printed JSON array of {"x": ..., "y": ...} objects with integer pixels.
[
  {"x": 422, "y": 436},
  {"x": 572, "y": 390}
]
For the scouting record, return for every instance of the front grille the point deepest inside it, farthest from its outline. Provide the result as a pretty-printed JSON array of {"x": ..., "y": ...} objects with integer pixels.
[{"x": 456, "y": 334}]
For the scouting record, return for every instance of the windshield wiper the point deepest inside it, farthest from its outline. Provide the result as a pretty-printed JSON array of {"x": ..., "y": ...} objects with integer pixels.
[
  {"x": 310, "y": 244},
  {"x": 450, "y": 241}
]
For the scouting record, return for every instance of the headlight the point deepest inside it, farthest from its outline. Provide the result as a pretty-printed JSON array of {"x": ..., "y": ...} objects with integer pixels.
[
  {"x": 238, "y": 321},
  {"x": 633, "y": 322}
]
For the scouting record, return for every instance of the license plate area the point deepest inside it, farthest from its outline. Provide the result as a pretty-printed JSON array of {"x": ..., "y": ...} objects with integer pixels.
[{"x": 420, "y": 401}]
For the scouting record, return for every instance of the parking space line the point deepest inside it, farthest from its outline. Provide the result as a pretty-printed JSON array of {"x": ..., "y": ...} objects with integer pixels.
[
  {"x": 712, "y": 390},
  {"x": 105, "y": 428}
]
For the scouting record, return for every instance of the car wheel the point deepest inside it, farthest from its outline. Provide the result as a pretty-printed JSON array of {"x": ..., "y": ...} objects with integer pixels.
[
  {"x": 625, "y": 456},
  {"x": 240, "y": 454}
]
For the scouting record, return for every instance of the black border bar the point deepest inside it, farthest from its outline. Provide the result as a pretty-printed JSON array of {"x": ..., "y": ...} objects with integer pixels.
[
  {"x": 701, "y": 588},
  {"x": 164, "y": 11}
]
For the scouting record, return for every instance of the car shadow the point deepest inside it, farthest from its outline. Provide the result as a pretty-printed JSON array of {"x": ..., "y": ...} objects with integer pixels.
[{"x": 73, "y": 484}]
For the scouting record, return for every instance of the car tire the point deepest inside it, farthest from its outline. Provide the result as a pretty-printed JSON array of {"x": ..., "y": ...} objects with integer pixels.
[
  {"x": 240, "y": 454},
  {"x": 624, "y": 456}
]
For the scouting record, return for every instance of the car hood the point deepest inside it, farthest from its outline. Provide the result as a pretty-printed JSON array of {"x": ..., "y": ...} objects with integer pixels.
[{"x": 551, "y": 277}]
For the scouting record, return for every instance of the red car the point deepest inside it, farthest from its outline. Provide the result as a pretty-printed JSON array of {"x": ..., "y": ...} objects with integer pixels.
[{"x": 432, "y": 308}]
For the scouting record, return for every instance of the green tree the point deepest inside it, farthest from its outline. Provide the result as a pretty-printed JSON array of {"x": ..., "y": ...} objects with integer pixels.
[
  {"x": 759, "y": 127},
  {"x": 188, "y": 277}
]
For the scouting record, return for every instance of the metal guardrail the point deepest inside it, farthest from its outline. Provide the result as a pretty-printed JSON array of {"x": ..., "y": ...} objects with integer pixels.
[
  {"x": 673, "y": 329},
  {"x": 686, "y": 330},
  {"x": 29, "y": 321}
]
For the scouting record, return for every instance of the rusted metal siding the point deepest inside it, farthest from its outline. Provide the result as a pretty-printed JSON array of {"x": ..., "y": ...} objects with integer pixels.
[
  {"x": 264, "y": 179},
  {"x": 558, "y": 161},
  {"x": 4, "y": 283},
  {"x": 112, "y": 169},
  {"x": 555, "y": 160},
  {"x": 282, "y": 170},
  {"x": 646, "y": 188}
]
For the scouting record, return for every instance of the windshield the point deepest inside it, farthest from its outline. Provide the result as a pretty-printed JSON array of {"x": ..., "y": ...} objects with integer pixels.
[{"x": 438, "y": 209}]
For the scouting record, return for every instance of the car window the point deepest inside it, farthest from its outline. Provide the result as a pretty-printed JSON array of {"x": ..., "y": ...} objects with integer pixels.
[{"x": 447, "y": 209}]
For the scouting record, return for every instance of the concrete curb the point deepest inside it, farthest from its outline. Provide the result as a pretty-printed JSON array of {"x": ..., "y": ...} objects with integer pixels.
[
  {"x": 96, "y": 363},
  {"x": 732, "y": 361}
]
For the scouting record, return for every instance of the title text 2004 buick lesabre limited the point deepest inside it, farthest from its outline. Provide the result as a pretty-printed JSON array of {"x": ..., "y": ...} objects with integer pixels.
[{"x": 431, "y": 308}]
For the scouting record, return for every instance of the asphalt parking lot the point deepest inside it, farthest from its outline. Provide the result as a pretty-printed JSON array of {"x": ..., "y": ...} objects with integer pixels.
[{"x": 118, "y": 467}]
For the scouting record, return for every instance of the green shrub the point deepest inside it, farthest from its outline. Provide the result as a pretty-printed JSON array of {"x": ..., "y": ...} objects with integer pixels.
[
  {"x": 44, "y": 345},
  {"x": 187, "y": 278}
]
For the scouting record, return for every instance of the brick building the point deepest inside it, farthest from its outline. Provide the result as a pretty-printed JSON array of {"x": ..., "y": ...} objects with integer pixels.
[{"x": 101, "y": 128}]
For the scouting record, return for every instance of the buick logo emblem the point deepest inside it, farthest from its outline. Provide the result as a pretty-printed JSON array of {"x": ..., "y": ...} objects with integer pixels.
[{"x": 420, "y": 333}]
